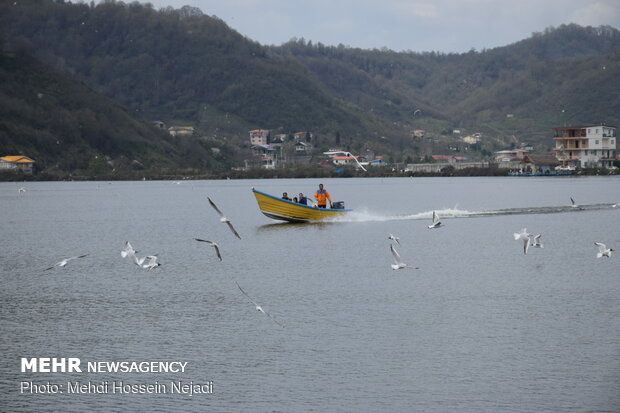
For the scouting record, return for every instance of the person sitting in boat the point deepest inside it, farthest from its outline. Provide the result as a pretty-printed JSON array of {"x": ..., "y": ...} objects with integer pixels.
[
  {"x": 295, "y": 199},
  {"x": 285, "y": 196},
  {"x": 302, "y": 199},
  {"x": 322, "y": 196}
]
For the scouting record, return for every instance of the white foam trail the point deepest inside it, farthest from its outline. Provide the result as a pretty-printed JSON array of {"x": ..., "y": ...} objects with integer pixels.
[
  {"x": 370, "y": 216},
  {"x": 365, "y": 215}
]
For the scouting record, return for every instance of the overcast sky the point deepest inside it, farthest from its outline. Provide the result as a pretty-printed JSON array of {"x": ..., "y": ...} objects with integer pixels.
[{"x": 417, "y": 25}]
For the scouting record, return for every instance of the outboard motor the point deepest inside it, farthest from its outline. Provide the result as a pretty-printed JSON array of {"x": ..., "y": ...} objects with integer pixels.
[{"x": 338, "y": 205}]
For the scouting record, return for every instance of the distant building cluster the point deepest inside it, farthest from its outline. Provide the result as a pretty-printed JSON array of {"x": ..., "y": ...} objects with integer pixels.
[
  {"x": 267, "y": 149},
  {"x": 592, "y": 146}
]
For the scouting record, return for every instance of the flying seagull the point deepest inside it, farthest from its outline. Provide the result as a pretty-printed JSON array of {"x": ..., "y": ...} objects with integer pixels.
[
  {"x": 537, "y": 243},
  {"x": 393, "y": 238},
  {"x": 152, "y": 262},
  {"x": 223, "y": 219},
  {"x": 136, "y": 260},
  {"x": 525, "y": 237},
  {"x": 603, "y": 251},
  {"x": 214, "y": 245},
  {"x": 65, "y": 262},
  {"x": 128, "y": 251},
  {"x": 399, "y": 264},
  {"x": 258, "y": 307},
  {"x": 21, "y": 190},
  {"x": 573, "y": 204},
  {"x": 436, "y": 222}
]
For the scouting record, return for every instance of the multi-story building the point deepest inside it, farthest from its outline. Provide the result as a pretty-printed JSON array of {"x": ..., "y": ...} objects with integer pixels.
[
  {"x": 591, "y": 146},
  {"x": 265, "y": 156},
  {"x": 259, "y": 136}
]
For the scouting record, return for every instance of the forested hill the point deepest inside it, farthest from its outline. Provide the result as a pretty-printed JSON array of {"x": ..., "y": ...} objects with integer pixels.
[
  {"x": 170, "y": 64},
  {"x": 186, "y": 68},
  {"x": 68, "y": 127}
]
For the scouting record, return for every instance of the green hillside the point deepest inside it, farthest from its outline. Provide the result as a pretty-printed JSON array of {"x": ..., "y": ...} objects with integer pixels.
[
  {"x": 67, "y": 127},
  {"x": 184, "y": 67}
]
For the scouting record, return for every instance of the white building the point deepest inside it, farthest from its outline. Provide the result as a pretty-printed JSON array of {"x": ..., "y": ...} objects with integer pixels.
[
  {"x": 302, "y": 147},
  {"x": 265, "y": 156},
  {"x": 586, "y": 146}
]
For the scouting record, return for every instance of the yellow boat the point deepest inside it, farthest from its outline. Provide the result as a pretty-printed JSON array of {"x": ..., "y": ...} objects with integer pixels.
[{"x": 283, "y": 210}]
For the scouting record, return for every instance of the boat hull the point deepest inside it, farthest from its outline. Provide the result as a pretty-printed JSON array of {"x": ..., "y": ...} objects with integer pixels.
[{"x": 283, "y": 210}]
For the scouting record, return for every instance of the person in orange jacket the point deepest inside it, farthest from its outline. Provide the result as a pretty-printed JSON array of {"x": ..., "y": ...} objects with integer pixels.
[{"x": 322, "y": 196}]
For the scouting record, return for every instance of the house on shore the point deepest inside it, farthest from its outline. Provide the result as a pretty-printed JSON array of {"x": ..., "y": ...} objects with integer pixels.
[
  {"x": 343, "y": 160},
  {"x": 510, "y": 158},
  {"x": 592, "y": 146},
  {"x": 538, "y": 164},
  {"x": 17, "y": 162},
  {"x": 265, "y": 156}
]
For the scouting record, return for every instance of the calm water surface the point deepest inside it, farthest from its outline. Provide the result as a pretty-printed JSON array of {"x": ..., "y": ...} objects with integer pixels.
[{"x": 478, "y": 327}]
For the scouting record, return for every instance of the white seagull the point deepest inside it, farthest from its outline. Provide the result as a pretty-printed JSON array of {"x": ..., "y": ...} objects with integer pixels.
[
  {"x": 537, "y": 243},
  {"x": 393, "y": 238},
  {"x": 21, "y": 190},
  {"x": 399, "y": 264},
  {"x": 128, "y": 251},
  {"x": 436, "y": 222},
  {"x": 223, "y": 219},
  {"x": 573, "y": 204},
  {"x": 603, "y": 251},
  {"x": 65, "y": 262},
  {"x": 258, "y": 307},
  {"x": 152, "y": 262},
  {"x": 213, "y": 244},
  {"x": 525, "y": 237},
  {"x": 136, "y": 260}
]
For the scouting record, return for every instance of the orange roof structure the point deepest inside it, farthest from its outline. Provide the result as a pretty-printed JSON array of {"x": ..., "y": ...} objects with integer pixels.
[{"x": 17, "y": 158}]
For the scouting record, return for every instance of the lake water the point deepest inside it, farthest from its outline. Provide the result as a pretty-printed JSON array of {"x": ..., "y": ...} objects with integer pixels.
[{"x": 478, "y": 327}]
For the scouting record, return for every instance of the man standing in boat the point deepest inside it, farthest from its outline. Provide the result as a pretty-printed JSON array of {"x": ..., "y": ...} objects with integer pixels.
[{"x": 321, "y": 197}]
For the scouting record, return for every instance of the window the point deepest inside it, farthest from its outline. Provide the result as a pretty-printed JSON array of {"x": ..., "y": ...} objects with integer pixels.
[{"x": 596, "y": 142}]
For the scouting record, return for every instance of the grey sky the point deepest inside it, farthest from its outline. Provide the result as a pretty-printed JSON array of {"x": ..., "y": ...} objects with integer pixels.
[{"x": 417, "y": 25}]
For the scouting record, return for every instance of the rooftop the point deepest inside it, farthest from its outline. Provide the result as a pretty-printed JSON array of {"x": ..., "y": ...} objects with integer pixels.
[{"x": 17, "y": 158}]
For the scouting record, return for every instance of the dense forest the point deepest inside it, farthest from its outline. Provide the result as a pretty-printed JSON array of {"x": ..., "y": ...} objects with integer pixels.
[{"x": 107, "y": 70}]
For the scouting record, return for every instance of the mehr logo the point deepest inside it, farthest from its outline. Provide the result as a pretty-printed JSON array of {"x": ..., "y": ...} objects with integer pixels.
[{"x": 51, "y": 365}]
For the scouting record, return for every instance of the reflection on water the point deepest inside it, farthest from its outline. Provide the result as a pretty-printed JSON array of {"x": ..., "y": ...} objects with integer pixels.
[{"x": 286, "y": 226}]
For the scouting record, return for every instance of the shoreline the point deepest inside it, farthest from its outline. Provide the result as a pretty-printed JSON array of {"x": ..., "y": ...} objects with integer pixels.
[{"x": 286, "y": 174}]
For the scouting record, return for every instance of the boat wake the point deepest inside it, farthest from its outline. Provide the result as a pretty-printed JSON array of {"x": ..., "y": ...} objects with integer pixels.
[{"x": 369, "y": 216}]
